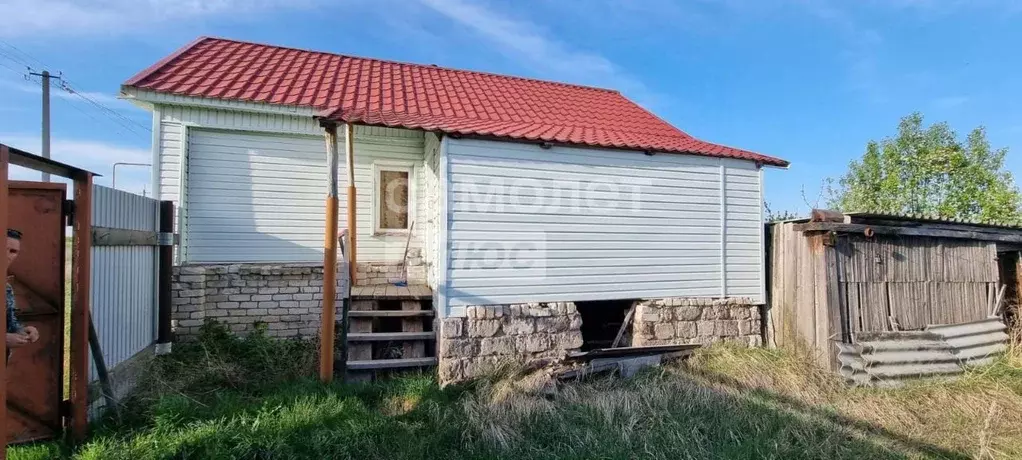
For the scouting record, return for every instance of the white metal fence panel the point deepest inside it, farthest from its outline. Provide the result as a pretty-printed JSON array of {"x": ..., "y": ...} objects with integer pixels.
[{"x": 124, "y": 289}]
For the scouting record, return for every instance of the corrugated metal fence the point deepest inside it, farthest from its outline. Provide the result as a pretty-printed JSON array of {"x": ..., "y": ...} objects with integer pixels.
[
  {"x": 886, "y": 358},
  {"x": 124, "y": 291}
]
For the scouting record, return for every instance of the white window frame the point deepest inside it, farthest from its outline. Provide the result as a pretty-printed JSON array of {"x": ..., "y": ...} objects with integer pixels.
[{"x": 393, "y": 165}]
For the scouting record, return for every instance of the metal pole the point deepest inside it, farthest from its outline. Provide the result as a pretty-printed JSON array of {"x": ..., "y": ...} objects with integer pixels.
[
  {"x": 164, "y": 335},
  {"x": 4, "y": 157},
  {"x": 46, "y": 119},
  {"x": 328, "y": 318},
  {"x": 113, "y": 176}
]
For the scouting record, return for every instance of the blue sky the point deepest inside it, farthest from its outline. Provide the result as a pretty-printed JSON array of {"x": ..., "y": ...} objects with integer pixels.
[{"x": 807, "y": 80}]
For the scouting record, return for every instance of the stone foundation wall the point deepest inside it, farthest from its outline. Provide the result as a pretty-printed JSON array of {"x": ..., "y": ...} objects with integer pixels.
[
  {"x": 687, "y": 320},
  {"x": 476, "y": 344},
  {"x": 286, "y": 298}
]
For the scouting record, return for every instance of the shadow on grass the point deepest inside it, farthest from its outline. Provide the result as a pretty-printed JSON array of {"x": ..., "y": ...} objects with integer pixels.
[{"x": 822, "y": 416}]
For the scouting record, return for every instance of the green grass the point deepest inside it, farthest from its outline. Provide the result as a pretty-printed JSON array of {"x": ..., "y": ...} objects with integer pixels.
[{"x": 245, "y": 398}]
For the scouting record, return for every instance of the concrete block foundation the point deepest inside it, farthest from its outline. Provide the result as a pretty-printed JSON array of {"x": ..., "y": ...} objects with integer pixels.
[{"x": 489, "y": 336}]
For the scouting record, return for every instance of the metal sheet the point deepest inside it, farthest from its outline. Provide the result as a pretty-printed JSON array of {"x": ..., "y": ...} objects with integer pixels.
[
  {"x": 124, "y": 297},
  {"x": 887, "y": 358},
  {"x": 35, "y": 372}
]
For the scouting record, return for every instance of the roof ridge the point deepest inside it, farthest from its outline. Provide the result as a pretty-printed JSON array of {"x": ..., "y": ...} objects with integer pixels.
[
  {"x": 138, "y": 77},
  {"x": 391, "y": 61}
]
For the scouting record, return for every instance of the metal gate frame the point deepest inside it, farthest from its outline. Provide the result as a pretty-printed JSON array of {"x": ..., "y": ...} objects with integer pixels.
[{"x": 81, "y": 267}]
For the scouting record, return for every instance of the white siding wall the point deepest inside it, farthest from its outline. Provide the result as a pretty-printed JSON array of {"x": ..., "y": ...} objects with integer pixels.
[
  {"x": 431, "y": 207},
  {"x": 743, "y": 230},
  {"x": 245, "y": 150},
  {"x": 530, "y": 225}
]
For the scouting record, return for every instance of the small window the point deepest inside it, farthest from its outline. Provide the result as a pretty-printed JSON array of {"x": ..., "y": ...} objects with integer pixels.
[{"x": 392, "y": 198}]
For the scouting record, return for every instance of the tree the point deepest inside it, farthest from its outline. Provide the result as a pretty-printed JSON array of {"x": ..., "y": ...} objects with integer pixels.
[{"x": 927, "y": 170}]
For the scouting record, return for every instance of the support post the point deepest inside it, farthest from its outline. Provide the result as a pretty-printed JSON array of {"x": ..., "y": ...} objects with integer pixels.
[
  {"x": 80, "y": 299},
  {"x": 326, "y": 336},
  {"x": 46, "y": 120},
  {"x": 349, "y": 156},
  {"x": 164, "y": 334},
  {"x": 4, "y": 159}
]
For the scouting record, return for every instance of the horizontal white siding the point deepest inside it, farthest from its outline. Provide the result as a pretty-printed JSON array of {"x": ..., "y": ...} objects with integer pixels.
[
  {"x": 530, "y": 225},
  {"x": 254, "y": 197},
  {"x": 744, "y": 230},
  {"x": 256, "y": 184}
]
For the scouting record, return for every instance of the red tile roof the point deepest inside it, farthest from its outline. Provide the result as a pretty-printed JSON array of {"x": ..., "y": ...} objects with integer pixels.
[{"x": 377, "y": 92}]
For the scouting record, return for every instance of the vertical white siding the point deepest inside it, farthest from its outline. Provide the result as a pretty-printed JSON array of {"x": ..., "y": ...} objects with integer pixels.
[
  {"x": 281, "y": 218},
  {"x": 430, "y": 206},
  {"x": 124, "y": 298},
  {"x": 530, "y": 224}
]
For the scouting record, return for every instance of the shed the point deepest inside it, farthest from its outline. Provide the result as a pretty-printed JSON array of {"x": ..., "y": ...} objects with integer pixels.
[{"x": 850, "y": 281}]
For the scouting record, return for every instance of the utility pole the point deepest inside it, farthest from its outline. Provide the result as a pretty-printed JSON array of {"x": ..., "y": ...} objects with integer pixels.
[{"x": 46, "y": 116}]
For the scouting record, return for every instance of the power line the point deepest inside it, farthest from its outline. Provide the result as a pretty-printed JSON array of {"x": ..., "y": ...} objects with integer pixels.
[
  {"x": 66, "y": 86},
  {"x": 12, "y": 69},
  {"x": 22, "y": 53},
  {"x": 15, "y": 54}
]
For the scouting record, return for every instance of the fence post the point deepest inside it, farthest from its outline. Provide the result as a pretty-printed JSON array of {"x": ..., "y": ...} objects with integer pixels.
[{"x": 164, "y": 337}]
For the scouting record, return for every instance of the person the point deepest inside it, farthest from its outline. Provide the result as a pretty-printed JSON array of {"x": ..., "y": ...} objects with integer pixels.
[{"x": 17, "y": 335}]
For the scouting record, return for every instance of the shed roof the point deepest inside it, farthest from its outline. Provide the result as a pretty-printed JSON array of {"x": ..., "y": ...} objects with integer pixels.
[{"x": 395, "y": 94}]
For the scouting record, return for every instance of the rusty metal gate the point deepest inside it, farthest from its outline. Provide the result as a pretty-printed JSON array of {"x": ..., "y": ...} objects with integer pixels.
[{"x": 35, "y": 373}]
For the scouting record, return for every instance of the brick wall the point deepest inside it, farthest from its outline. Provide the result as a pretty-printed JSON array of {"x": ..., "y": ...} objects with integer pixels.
[
  {"x": 392, "y": 272},
  {"x": 287, "y": 298}
]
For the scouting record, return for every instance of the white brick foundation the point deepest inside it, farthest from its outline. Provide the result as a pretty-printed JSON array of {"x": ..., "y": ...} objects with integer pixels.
[{"x": 286, "y": 298}]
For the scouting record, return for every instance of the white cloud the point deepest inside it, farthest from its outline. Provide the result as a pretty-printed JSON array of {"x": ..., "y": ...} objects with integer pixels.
[
  {"x": 526, "y": 41},
  {"x": 111, "y": 17},
  {"x": 96, "y": 156}
]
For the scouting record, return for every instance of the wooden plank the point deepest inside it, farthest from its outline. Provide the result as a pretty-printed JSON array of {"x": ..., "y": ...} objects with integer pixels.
[
  {"x": 624, "y": 325},
  {"x": 1005, "y": 237},
  {"x": 389, "y": 313},
  {"x": 412, "y": 324},
  {"x": 854, "y": 312},
  {"x": 873, "y": 307},
  {"x": 821, "y": 323},
  {"x": 105, "y": 236},
  {"x": 390, "y": 336},
  {"x": 81, "y": 298},
  {"x": 391, "y": 363},
  {"x": 786, "y": 322},
  {"x": 909, "y": 304},
  {"x": 358, "y": 324}
]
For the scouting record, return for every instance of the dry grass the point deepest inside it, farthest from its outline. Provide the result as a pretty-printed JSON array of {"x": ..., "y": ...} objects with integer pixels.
[{"x": 240, "y": 399}]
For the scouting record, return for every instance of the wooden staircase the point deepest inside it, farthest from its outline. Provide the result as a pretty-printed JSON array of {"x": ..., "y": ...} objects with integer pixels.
[{"x": 390, "y": 328}]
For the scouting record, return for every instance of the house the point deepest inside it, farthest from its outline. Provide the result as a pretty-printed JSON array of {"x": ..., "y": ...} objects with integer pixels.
[
  {"x": 514, "y": 208},
  {"x": 882, "y": 298}
]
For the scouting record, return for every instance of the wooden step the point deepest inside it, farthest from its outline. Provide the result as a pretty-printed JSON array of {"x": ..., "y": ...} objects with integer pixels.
[
  {"x": 390, "y": 364},
  {"x": 390, "y": 336},
  {"x": 388, "y": 313},
  {"x": 391, "y": 292}
]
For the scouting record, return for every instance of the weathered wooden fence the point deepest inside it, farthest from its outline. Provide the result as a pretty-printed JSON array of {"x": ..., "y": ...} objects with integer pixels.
[{"x": 125, "y": 257}]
